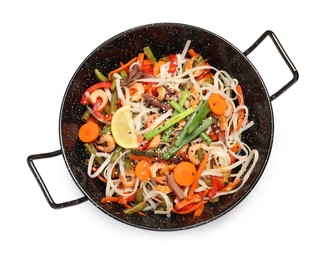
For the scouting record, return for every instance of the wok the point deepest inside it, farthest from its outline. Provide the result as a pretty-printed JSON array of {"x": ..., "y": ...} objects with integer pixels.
[{"x": 165, "y": 38}]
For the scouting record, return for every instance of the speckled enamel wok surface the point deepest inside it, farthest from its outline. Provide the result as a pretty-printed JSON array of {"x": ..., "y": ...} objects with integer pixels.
[{"x": 165, "y": 38}]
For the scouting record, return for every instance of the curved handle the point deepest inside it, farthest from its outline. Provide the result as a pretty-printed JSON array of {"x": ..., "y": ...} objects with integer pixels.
[
  {"x": 42, "y": 185},
  {"x": 284, "y": 56}
]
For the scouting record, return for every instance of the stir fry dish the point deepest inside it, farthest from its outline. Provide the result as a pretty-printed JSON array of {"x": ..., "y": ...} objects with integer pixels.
[{"x": 164, "y": 134}]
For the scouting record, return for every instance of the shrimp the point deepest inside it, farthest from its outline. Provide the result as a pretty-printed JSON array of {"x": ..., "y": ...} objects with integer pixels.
[
  {"x": 127, "y": 182},
  {"x": 163, "y": 188},
  {"x": 229, "y": 110},
  {"x": 155, "y": 168},
  {"x": 139, "y": 90},
  {"x": 106, "y": 143},
  {"x": 155, "y": 142},
  {"x": 194, "y": 100},
  {"x": 151, "y": 119},
  {"x": 192, "y": 152},
  {"x": 161, "y": 93}
]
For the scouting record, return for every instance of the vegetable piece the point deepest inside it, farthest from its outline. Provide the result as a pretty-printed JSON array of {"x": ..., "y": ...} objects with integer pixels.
[
  {"x": 123, "y": 67},
  {"x": 100, "y": 75},
  {"x": 184, "y": 173},
  {"x": 173, "y": 63},
  {"x": 139, "y": 196},
  {"x": 85, "y": 97},
  {"x": 191, "y": 209},
  {"x": 232, "y": 185},
  {"x": 167, "y": 132},
  {"x": 190, "y": 122},
  {"x": 175, "y": 187},
  {"x": 136, "y": 208},
  {"x": 144, "y": 153},
  {"x": 176, "y": 106},
  {"x": 198, "y": 118},
  {"x": 215, "y": 187},
  {"x": 106, "y": 130},
  {"x": 116, "y": 153},
  {"x": 157, "y": 66},
  {"x": 201, "y": 128},
  {"x": 89, "y": 132},
  {"x": 109, "y": 199},
  {"x": 206, "y": 138},
  {"x": 198, "y": 212},
  {"x": 91, "y": 149},
  {"x": 169, "y": 123},
  {"x": 85, "y": 116},
  {"x": 113, "y": 105},
  {"x": 142, "y": 170},
  {"x": 155, "y": 102},
  {"x": 200, "y": 169},
  {"x": 148, "y": 53},
  {"x": 140, "y": 58},
  {"x": 217, "y": 104}
]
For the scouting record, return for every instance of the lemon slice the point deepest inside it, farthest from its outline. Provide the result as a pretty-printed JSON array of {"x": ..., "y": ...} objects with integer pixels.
[{"x": 122, "y": 128}]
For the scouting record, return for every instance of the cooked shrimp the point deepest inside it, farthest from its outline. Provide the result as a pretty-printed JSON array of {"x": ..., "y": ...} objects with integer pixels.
[
  {"x": 223, "y": 124},
  {"x": 106, "y": 143},
  {"x": 127, "y": 182},
  {"x": 151, "y": 119},
  {"x": 163, "y": 188},
  {"x": 229, "y": 110},
  {"x": 192, "y": 152},
  {"x": 139, "y": 90},
  {"x": 161, "y": 93},
  {"x": 155, "y": 142},
  {"x": 195, "y": 98},
  {"x": 155, "y": 168}
]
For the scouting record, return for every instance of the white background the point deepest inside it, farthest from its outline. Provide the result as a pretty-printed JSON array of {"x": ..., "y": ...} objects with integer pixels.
[{"x": 286, "y": 216}]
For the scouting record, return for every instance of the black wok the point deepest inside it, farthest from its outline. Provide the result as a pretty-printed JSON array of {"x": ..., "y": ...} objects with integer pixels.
[{"x": 164, "y": 39}]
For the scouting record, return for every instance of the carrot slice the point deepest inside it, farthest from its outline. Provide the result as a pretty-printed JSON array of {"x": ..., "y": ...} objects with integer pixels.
[
  {"x": 184, "y": 173},
  {"x": 217, "y": 104},
  {"x": 89, "y": 132},
  {"x": 198, "y": 175},
  {"x": 126, "y": 65},
  {"x": 157, "y": 66},
  {"x": 142, "y": 170}
]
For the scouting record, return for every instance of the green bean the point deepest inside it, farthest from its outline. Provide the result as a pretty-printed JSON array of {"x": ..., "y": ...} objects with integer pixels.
[
  {"x": 169, "y": 123},
  {"x": 123, "y": 74},
  {"x": 127, "y": 164},
  {"x": 116, "y": 153},
  {"x": 167, "y": 132},
  {"x": 92, "y": 150},
  {"x": 176, "y": 106},
  {"x": 139, "y": 196},
  {"x": 144, "y": 153},
  {"x": 99, "y": 75},
  {"x": 136, "y": 208},
  {"x": 148, "y": 52},
  {"x": 85, "y": 116},
  {"x": 198, "y": 60},
  {"x": 189, "y": 137},
  {"x": 113, "y": 85},
  {"x": 191, "y": 120},
  {"x": 206, "y": 138},
  {"x": 113, "y": 105},
  {"x": 106, "y": 130},
  {"x": 199, "y": 117}
]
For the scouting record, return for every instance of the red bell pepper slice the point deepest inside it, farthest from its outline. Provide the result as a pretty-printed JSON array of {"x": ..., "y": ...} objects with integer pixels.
[
  {"x": 90, "y": 90},
  {"x": 173, "y": 63},
  {"x": 217, "y": 184}
]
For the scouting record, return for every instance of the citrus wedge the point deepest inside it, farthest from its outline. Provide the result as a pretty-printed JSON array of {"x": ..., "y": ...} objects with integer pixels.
[{"x": 122, "y": 128}]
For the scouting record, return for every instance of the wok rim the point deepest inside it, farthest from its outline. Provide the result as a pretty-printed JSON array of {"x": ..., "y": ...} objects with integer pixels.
[{"x": 255, "y": 179}]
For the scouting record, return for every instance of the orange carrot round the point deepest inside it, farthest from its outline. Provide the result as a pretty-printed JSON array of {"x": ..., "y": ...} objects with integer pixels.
[
  {"x": 89, "y": 132},
  {"x": 217, "y": 104},
  {"x": 142, "y": 170},
  {"x": 184, "y": 173}
]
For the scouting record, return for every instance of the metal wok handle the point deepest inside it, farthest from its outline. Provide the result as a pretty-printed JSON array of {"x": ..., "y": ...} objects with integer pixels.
[
  {"x": 42, "y": 185},
  {"x": 284, "y": 56}
]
